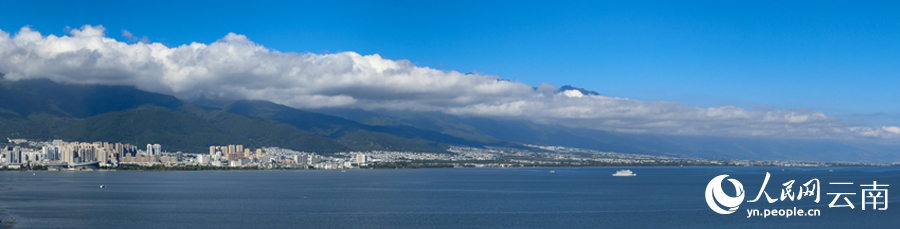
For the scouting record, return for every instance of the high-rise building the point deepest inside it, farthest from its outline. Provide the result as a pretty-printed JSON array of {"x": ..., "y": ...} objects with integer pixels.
[
  {"x": 119, "y": 151},
  {"x": 102, "y": 155},
  {"x": 202, "y": 159},
  {"x": 302, "y": 159},
  {"x": 50, "y": 153},
  {"x": 212, "y": 150},
  {"x": 14, "y": 156},
  {"x": 361, "y": 159},
  {"x": 313, "y": 159},
  {"x": 247, "y": 153},
  {"x": 77, "y": 152},
  {"x": 157, "y": 149},
  {"x": 6, "y": 154},
  {"x": 45, "y": 152},
  {"x": 258, "y": 153},
  {"x": 239, "y": 149}
]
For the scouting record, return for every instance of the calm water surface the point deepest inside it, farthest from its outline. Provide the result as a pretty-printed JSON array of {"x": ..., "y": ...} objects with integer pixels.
[{"x": 670, "y": 197}]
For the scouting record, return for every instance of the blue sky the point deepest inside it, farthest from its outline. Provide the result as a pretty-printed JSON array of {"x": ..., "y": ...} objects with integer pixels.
[{"x": 836, "y": 57}]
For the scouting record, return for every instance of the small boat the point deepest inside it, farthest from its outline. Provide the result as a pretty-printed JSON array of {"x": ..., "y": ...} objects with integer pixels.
[
  {"x": 102, "y": 186},
  {"x": 343, "y": 171},
  {"x": 551, "y": 171},
  {"x": 830, "y": 171},
  {"x": 624, "y": 173}
]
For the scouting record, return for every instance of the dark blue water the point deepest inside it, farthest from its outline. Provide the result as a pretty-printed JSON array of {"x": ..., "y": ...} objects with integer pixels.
[{"x": 670, "y": 197}]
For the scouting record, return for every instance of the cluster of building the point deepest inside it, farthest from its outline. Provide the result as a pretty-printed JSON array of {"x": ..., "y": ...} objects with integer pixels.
[
  {"x": 274, "y": 157},
  {"x": 234, "y": 152},
  {"x": 58, "y": 153},
  {"x": 231, "y": 155}
]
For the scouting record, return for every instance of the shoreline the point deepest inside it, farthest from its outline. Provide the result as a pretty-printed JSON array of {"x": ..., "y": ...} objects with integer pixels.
[{"x": 192, "y": 168}]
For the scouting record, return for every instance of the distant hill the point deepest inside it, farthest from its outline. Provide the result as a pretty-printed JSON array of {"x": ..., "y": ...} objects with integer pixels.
[
  {"x": 194, "y": 129},
  {"x": 523, "y": 131},
  {"x": 42, "y": 109},
  {"x": 356, "y": 135},
  {"x": 26, "y": 97}
]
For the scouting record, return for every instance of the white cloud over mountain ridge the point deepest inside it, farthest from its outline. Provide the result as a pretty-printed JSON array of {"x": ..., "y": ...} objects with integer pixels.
[{"x": 235, "y": 67}]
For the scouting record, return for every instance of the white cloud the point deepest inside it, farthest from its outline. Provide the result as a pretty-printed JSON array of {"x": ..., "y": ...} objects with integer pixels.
[
  {"x": 573, "y": 94},
  {"x": 891, "y": 129},
  {"x": 236, "y": 67}
]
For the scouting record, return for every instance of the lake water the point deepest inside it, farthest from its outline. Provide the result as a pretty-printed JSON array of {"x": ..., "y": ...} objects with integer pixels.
[{"x": 670, "y": 197}]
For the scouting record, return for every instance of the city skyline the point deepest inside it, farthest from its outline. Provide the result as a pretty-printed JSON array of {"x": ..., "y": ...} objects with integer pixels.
[{"x": 58, "y": 155}]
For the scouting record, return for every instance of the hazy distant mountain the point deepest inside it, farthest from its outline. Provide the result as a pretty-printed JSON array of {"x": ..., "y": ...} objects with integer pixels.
[
  {"x": 42, "y": 109},
  {"x": 523, "y": 131}
]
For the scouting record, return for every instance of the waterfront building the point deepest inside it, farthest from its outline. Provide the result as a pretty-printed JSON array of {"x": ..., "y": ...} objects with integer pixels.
[
  {"x": 157, "y": 149},
  {"x": 361, "y": 159},
  {"x": 154, "y": 149},
  {"x": 202, "y": 159},
  {"x": 50, "y": 153},
  {"x": 313, "y": 159},
  {"x": 77, "y": 152},
  {"x": 168, "y": 159},
  {"x": 14, "y": 155}
]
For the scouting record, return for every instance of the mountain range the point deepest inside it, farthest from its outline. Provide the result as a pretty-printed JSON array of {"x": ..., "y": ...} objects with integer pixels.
[{"x": 43, "y": 109}]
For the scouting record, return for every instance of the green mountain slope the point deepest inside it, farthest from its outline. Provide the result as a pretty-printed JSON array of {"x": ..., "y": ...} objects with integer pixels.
[
  {"x": 42, "y": 109},
  {"x": 28, "y": 97},
  {"x": 178, "y": 130},
  {"x": 355, "y": 135}
]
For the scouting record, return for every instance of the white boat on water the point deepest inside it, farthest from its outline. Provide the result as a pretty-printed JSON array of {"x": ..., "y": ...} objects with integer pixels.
[{"x": 624, "y": 173}]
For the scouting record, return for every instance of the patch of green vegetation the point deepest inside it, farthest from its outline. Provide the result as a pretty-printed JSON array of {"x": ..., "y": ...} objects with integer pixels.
[{"x": 178, "y": 131}]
